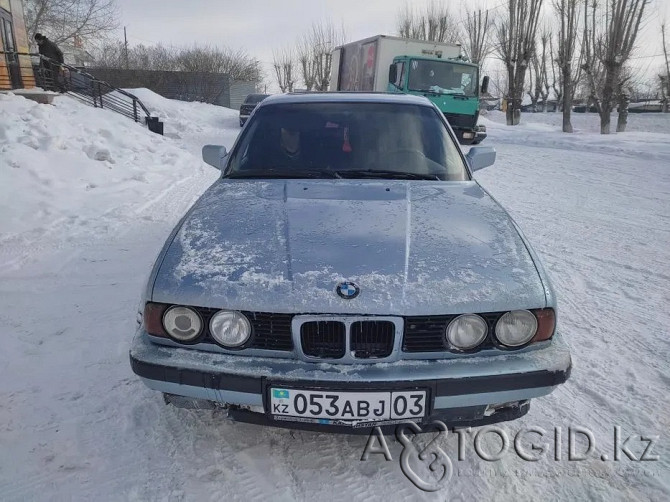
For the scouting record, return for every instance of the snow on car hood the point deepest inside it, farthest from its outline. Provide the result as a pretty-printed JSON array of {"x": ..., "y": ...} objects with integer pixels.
[{"x": 413, "y": 248}]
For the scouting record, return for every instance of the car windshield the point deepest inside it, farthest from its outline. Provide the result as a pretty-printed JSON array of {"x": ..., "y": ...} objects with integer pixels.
[
  {"x": 253, "y": 99},
  {"x": 442, "y": 77},
  {"x": 347, "y": 140}
]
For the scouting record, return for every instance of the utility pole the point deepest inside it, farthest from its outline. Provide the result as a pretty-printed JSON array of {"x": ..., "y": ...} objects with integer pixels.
[{"x": 125, "y": 45}]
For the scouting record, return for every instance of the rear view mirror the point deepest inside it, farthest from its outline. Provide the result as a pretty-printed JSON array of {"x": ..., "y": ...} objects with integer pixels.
[
  {"x": 485, "y": 85},
  {"x": 393, "y": 74},
  {"x": 480, "y": 157},
  {"x": 214, "y": 155}
]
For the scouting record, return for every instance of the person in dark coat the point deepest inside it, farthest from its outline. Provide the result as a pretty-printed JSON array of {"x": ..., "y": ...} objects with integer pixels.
[{"x": 51, "y": 69}]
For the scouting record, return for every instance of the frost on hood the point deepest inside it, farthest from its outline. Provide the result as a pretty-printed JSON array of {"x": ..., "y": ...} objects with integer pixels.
[{"x": 412, "y": 249}]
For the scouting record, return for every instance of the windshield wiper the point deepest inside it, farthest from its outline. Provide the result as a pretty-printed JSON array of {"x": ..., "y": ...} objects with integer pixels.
[
  {"x": 428, "y": 91},
  {"x": 386, "y": 174},
  {"x": 284, "y": 174},
  {"x": 459, "y": 94}
]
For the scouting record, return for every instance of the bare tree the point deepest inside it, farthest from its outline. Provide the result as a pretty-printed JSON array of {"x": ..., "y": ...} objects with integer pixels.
[
  {"x": 665, "y": 79},
  {"x": 609, "y": 44},
  {"x": 556, "y": 80},
  {"x": 568, "y": 15},
  {"x": 436, "y": 23},
  {"x": 315, "y": 54},
  {"x": 63, "y": 20},
  {"x": 308, "y": 64},
  {"x": 539, "y": 72},
  {"x": 477, "y": 42},
  {"x": 284, "y": 65},
  {"x": 515, "y": 46}
]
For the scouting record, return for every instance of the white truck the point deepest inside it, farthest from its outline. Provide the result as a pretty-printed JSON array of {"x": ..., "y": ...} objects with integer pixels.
[{"x": 432, "y": 69}]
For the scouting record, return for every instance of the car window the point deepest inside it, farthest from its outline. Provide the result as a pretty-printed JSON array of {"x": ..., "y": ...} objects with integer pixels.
[{"x": 347, "y": 140}]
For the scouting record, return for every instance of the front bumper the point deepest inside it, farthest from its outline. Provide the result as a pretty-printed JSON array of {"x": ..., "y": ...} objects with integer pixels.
[
  {"x": 475, "y": 136},
  {"x": 461, "y": 391}
]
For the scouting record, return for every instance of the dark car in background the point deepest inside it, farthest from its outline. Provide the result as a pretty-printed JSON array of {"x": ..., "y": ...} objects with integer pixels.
[{"x": 248, "y": 106}]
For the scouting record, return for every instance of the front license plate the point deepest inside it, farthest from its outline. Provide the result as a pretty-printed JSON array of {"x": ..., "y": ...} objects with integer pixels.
[{"x": 348, "y": 406}]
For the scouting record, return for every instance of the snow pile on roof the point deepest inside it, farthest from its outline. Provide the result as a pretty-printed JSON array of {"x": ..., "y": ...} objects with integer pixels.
[{"x": 68, "y": 167}]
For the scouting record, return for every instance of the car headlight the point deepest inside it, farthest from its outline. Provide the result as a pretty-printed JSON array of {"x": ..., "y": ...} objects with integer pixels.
[
  {"x": 516, "y": 328},
  {"x": 229, "y": 328},
  {"x": 466, "y": 331},
  {"x": 183, "y": 324}
]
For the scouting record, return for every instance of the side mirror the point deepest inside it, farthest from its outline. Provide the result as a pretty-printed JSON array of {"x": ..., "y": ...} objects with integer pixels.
[
  {"x": 480, "y": 157},
  {"x": 214, "y": 155},
  {"x": 393, "y": 74},
  {"x": 485, "y": 85}
]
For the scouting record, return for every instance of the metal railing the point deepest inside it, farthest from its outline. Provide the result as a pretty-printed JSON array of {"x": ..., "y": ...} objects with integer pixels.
[{"x": 51, "y": 75}]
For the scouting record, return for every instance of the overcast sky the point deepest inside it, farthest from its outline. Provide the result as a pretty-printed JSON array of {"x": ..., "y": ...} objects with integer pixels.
[{"x": 259, "y": 26}]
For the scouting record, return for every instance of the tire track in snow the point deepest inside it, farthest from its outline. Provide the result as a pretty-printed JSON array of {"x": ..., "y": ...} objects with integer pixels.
[{"x": 167, "y": 207}]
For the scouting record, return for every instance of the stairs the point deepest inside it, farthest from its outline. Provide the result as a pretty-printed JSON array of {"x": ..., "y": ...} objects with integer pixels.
[{"x": 51, "y": 75}]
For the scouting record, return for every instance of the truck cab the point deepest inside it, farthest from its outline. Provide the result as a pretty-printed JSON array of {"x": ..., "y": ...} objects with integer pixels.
[
  {"x": 452, "y": 85},
  {"x": 435, "y": 70}
]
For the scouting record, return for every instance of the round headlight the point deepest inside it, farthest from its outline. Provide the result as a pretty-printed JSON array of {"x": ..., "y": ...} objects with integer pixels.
[
  {"x": 466, "y": 331},
  {"x": 229, "y": 328},
  {"x": 516, "y": 328},
  {"x": 182, "y": 324}
]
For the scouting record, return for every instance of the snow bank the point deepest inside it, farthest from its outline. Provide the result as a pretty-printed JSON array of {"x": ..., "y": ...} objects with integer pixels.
[
  {"x": 192, "y": 120},
  {"x": 69, "y": 168}
]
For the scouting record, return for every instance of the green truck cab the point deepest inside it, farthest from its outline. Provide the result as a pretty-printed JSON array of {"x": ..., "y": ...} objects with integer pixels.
[
  {"x": 451, "y": 85},
  {"x": 435, "y": 70}
]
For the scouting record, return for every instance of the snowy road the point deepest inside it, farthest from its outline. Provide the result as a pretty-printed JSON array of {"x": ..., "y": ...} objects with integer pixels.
[{"x": 76, "y": 424}]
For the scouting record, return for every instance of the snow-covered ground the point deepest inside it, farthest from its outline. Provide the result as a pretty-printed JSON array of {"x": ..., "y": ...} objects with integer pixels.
[{"x": 86, "y": 200}]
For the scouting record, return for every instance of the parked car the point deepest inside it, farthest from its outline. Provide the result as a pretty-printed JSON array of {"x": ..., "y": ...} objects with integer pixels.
[
  {"x": 346, "y": 271},
  {"x": 250, "y": 102}
]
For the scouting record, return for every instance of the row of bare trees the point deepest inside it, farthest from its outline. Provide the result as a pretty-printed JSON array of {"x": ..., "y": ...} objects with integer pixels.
[
  {"x": 598, "y": 45},
  {"x": 197, "y": 58},
  {"x": 574, "y": 45},
  {"x": 309, "y": 61},
  {"x": 437, "y": 22}
]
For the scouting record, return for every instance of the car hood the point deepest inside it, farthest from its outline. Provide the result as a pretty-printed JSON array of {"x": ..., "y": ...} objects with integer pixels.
[{"x": 413, "y": 248}]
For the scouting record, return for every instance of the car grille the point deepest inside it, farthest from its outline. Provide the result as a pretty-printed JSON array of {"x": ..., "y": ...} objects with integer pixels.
[
  {"x": 269, "y": 331},
  {"x": 460, "y": 120},
  {"x": 247, "y": 109},
  {"x": 372, "y": 339},
  {"x": 326, "y": 339},
  {"x": 323, "y": 339},
  {"x": 427, "y": 333}
]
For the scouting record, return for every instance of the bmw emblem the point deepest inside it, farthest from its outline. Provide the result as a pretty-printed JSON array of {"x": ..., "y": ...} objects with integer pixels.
[{"x": 348, "y": 290}]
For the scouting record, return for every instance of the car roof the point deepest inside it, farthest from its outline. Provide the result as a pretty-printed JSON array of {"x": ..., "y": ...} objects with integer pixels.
[{"x": 345, "y": 97}]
